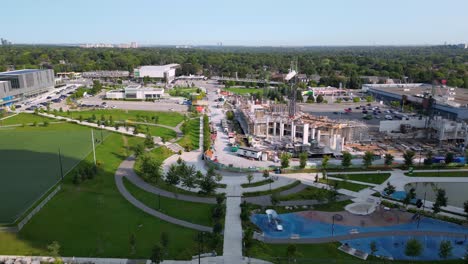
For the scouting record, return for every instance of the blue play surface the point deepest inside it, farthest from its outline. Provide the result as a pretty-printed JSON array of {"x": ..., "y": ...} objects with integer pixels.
[
  {"x": 390, "y": 246},
  {"x": 295, "y": 224},
  {"x": 394, "y": 246}
]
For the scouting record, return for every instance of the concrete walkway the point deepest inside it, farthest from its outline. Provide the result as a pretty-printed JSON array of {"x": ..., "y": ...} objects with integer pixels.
[
  {"x": 122, "y": 172},
  {"x": 232, "y": 247}
]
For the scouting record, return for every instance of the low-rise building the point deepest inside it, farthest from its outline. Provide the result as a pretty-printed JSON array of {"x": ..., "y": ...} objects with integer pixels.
[{"x": 136, "y": 92}]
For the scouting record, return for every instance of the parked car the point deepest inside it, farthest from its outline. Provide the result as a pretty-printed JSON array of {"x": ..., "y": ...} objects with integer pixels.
[{"x": 388, "y": 117}]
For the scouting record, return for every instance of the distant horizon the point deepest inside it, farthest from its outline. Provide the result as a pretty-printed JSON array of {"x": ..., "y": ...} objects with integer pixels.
[
  {"x": 240, "y": 45},
  {"x": 249, "y": 23}
]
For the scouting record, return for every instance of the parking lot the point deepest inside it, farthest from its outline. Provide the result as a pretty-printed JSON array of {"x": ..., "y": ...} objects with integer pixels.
[{"x": 337, "y": 111}]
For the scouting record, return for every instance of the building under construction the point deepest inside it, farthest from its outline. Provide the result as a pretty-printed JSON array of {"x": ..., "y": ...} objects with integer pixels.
[{"x": 282, "y": 126}]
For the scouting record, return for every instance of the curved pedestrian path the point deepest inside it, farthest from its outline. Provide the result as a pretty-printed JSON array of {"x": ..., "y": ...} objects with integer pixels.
[
  {"x": 124, "y": 171},
  {"x": 356, "y": 236}
]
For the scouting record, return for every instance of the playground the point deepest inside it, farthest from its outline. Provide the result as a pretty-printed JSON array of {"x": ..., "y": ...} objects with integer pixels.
[{"x": 388, "y": 228}]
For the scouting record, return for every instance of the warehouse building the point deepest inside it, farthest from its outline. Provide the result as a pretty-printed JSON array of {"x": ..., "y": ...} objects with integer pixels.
[
  {"x": 19, "y": 85},
  {"x": 162, "y": 72}
]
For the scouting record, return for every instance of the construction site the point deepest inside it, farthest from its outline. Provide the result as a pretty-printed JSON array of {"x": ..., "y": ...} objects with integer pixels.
[{"x": 267, "y": 128}]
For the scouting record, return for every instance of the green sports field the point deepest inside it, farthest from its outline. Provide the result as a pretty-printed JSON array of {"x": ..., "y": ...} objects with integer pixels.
[{"x": 29, "y": 162}]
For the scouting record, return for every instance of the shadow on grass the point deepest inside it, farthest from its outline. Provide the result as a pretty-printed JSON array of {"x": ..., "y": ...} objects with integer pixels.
[{"x": 26, "y": 176}]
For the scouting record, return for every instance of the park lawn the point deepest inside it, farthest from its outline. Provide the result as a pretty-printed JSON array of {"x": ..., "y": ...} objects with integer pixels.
[
  {"x": 197, "y": 213},
  {"x": 277, "y": 190},
  {"x": 191, "y": 138},
  {"x": 25, "y": 118},
  {"x": 336, "y": 206},
  {"x": 94, "y": 220},
  {"x": 30, "y": 162},
  {"x": 441, "y": 173},
  {"x": 344, "y": 185},
  {"x": 376, "y": 178},
  {"x": 165, "y": 118},
  {"x": 309, "y": 193},
  {"x": 244, "y": 90},
  {"x": 165, "y": 133},
  {"x": 257, "y": 183}
]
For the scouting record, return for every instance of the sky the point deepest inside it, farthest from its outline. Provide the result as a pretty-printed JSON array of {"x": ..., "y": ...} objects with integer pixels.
[{"x": 236, "y": 22}]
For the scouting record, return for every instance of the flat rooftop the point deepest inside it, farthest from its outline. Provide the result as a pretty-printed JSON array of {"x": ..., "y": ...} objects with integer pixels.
[
  {"x": 441, "y": 93},
  {"x": 20, "y": 71}
]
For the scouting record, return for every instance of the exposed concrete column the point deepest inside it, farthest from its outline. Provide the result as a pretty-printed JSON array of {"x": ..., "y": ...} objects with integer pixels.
[
  {"x": 313, "y": 133},
  {"x": 318, "y": 135},
  {"x": 267, "y": 126},
  {"x": 333, "y": 145},
  {"x": 293, "y": 131},
  {"x": 281, "y": 130},
  {"x": 305, "y": 134},
  {"x": 274, "y": 129}
]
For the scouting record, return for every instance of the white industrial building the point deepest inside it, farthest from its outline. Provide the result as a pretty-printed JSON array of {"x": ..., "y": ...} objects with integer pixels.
[
  {"x": 136, "y": 92},
  {"x": 164, "y": 72}
]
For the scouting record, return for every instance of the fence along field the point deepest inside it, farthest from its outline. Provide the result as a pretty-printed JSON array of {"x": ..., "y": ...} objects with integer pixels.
[{"x": 29, "y": 162}]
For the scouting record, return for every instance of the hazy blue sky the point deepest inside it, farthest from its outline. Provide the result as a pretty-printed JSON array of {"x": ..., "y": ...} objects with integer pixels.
[{"x": 236, "y": 22}]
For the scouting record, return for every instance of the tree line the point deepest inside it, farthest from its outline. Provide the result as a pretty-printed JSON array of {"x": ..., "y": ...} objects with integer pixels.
[{"x": 333, "y": 64}]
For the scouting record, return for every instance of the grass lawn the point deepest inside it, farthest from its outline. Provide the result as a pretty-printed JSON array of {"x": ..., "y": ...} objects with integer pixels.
[
  {"x": 165, "y": 133},
  {"x": 376, "y": 178},
  {"x": 30, "y": 163},
  {"x": 25, "y": 118},
  {"x": 191, "y": 139},
  {"x": 257, "y": 183},
  {"x": 344, "y": 185},
  {"x": 332, "y": 206},
  {"x": 435, "y": 173},
  {"x": 197, "y": 213},
  {"x": 277, "y": 190},
  {"x": 94, "y": 220},
  {"x": 165, "y": 118},
  {"x": 309, "y": 193},
  {"x": 244, "y": 90}
]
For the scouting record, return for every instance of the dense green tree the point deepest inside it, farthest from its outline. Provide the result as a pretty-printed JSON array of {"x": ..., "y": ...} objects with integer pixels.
[
  {"x": 388, "y": 159},
  {"x": 445, "y": 249},
  {"x": 303, "y": 159},
  {"x": 408, "y": 157},
  {"x": 346, "y": 159},
  {"x": 368, "y": 158},
  {"x": 285, "y": 157},
  {"x": 413, "y": 248}
]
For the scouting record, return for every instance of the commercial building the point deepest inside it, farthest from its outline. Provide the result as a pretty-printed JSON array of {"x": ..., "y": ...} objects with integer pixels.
[
  {"x": 447, "y": 102},
  {"x": 18, "y": 85},
  {"x": 162, "y": 72},
  {"x": 136, "y": 92}
]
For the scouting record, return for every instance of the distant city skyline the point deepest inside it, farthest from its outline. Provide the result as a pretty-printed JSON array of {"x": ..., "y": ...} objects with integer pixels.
[{"x": 237, "y": 23}]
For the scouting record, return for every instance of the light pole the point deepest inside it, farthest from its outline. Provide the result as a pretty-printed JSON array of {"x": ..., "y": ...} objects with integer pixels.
[{"x": 60, "y": 162}]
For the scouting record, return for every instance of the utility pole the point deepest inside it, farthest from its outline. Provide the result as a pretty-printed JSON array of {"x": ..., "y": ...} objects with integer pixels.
[
  {"x": 60, "y": 162},
  {"x": 94, "y": 150}
]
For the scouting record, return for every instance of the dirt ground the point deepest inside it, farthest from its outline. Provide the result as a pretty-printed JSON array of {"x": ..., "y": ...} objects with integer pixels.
[{"x": 380, "y": 217}]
